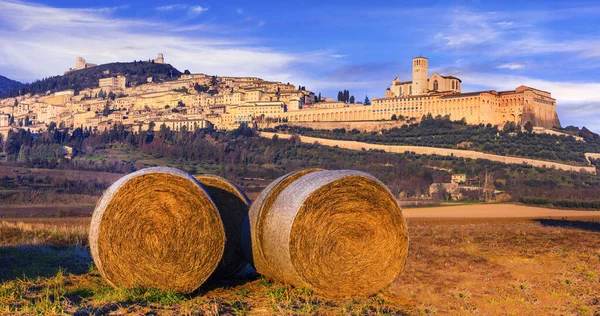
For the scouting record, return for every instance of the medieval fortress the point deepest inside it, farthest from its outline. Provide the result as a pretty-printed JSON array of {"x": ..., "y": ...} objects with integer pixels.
[
  {"x": 203, "y": 101},
  {"x": 80, "y": 63},
  {"x": 441, "y": 95}
]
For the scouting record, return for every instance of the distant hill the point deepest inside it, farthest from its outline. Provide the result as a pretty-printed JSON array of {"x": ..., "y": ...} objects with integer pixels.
[
  {"x": 136, "y": 72},
  {"x": 8, "y": 84}
]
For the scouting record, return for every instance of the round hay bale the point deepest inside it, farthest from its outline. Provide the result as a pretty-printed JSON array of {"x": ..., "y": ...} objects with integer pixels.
[
  {"x": 233, "y": 206},
  {"x": 157, "y": 228},
  {"x": 255, "y": 220},
  {"x": 340, "y": 233}
]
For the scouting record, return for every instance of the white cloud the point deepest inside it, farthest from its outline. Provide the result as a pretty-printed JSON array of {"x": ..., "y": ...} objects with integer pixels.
[
  {"x": 240, "y": 11},
  {"x": 194, "y": 27},
  {"x": 512, "y": 66},
  {"x": 107, "y": 9},
  {"x": 197, "y": 10},
  {"x": 490, "y": 31},
  {"x": 505, "y": 23},
  {"x": 467, "y": 28},
  {"x": 40, "y": 41},
  {"x": 171, "y": 7},
  {"x": 192, "y": 10}
]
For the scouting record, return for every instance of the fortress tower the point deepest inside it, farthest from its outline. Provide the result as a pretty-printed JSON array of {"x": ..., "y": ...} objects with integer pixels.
[
  {"x": 160, "y": 59},
  {"x": 420, "y": 73},
  {"x": 80, "y": 63}
]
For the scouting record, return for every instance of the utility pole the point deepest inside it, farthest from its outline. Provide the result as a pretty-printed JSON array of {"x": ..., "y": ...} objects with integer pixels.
[{"x": 486, "y": 185}]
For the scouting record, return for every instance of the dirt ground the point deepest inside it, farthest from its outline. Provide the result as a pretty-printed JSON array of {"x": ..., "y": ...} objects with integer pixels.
[
  {"x": 518, "y": 260},
  {"x": 493, "y": 211},
  {"x": 39, "y": 211}
]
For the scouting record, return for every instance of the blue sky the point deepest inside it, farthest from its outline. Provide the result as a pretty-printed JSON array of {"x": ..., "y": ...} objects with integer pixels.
[{"x": 325, "y": 46}]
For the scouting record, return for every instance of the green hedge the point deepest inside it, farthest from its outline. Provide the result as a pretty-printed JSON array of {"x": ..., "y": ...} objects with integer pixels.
[{"x": 595, "y": 205}]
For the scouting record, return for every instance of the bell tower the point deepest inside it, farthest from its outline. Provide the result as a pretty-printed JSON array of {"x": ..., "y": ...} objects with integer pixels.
[{"x": 420, "y": 74}]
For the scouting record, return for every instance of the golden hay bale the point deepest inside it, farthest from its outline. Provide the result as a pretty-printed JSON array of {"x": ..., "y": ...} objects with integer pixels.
[
  {"x": 258, "y": 211},
  {"x": 233, "y": 206},
  {"x": 157, "y": 228},
  {"x": 336, "y": 232}
]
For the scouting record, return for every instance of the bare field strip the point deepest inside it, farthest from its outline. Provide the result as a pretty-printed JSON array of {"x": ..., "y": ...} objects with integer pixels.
[
  {"x": 475, "y": 213},
  {"x": 8, "y": 211},
  {"x": 491, "y": 211},
  {"x": 82, "y": 175}
]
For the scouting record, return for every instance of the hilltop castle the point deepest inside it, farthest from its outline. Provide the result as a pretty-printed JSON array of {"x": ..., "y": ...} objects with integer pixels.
[
  {"x": 80, "y": 63},
  {"x": 160, "y": 59},
  {"x": 441, "y": 95}
]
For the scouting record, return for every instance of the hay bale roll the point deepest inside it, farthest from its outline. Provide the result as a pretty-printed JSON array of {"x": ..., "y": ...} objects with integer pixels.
[
  {"x": 233, "y": 206},
  {"x": 157, "y": 228},
  {"x": 340, "y": 233},
  {"x": 258, "y": 211}
]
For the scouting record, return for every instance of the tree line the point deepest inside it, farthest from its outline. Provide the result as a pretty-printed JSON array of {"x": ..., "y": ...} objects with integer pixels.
[
  {"x": 136, "y": 73},
  {"x": 240, "y": 154}
]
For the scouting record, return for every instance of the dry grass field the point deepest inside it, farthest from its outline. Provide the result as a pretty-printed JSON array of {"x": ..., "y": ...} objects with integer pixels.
[
  {"x": 456, "y": 266},
  {"x": 59, "y": 174}
]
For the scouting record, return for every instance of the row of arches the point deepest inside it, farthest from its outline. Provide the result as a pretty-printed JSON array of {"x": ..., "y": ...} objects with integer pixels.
[
  {"x": 472, "y": 113},
  {"x": 511, "y": 101},
  {"x": 352, "y": 115},
  {"x": 515, "y": 118}
]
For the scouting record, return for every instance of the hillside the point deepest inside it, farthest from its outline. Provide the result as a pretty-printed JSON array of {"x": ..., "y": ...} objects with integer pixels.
[
  {"x": 441, "y": 132},
  {"x": 136, "y": 72},
  {"x": 8, "y": 84}
]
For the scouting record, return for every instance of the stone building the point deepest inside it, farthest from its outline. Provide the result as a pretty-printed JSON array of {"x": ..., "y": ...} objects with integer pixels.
[
  {"x": 4, "y": 120},
  {"x": 268, "y": 109},
  {"x": 118, "y": 83},
  {"x": 441, "y": 95},
  {"x": 80, "y": 63},
  {"x": 421, "y": 83},
  {"x": 177, "y": 124},
  {"x": 459, "y": 178}
]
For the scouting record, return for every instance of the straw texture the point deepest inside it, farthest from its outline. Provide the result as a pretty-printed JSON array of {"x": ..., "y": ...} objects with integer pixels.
[
  {"x": 340, "y": 233},
  {"x": 259, "y": 209},
  {"x": 233, "y": 206},
  {"x": 157, "y": 228}
]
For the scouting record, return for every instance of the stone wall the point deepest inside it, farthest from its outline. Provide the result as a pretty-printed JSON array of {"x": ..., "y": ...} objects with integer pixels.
[
  {"x": 363, "y": 126},
  {"x": 353, "y": 145}
]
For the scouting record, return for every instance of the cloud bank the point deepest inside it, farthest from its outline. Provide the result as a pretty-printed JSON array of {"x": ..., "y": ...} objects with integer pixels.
[{"x": 40, "y": 41}]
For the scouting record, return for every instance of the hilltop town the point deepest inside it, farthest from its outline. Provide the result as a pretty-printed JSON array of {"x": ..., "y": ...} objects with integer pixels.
[{"x": 194, "y": 101}]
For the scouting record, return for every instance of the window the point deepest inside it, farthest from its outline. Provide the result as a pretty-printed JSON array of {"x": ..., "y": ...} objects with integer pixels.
[
  {"x": 435, "y": 85},
  {"x": 452, "y": 84},
  {"x": 410, "y": 90}
]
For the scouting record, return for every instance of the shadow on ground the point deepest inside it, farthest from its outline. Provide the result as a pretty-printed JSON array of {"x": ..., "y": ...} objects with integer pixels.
[
  {"x": 31, "y": 261},
  {"x": 245, "y": 275},
  {"x": 591, "y": 226}
]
